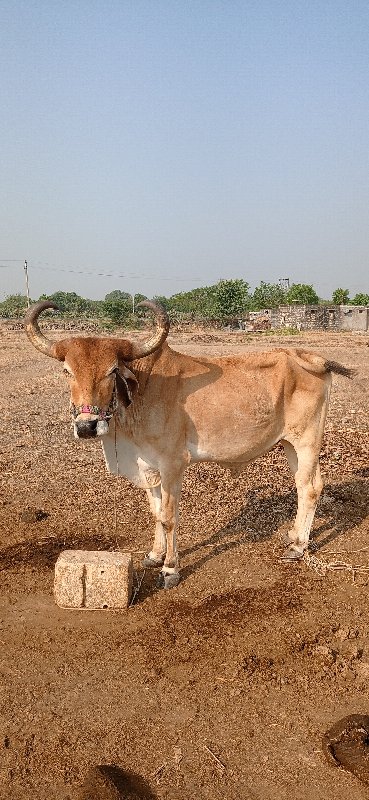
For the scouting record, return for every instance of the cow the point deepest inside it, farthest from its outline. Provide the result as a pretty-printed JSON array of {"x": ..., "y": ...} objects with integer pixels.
[{"x": 156, "y": 411}]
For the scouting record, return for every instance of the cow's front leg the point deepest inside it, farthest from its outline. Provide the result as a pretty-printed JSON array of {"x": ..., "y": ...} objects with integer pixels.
[
  {"x": 309, "y": 487},
  {"x": 170, "y": 494},
  {"x": 156, "y": 556}
]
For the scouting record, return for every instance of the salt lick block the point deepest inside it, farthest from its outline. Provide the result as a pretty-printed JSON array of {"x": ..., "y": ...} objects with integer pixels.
[{"x": 93, "y": 579}]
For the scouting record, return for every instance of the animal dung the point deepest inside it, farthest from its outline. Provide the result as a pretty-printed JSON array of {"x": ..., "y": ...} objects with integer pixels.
[
  {"x": 93, "y": 579},
  {"x": 109, "y": 782},
  {"x": 98, "y": 785},
  {"x": 346, "y": 745}
]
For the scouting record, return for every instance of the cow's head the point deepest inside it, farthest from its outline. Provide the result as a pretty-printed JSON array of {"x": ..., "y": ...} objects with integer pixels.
[{"x": 96, "y": 368}]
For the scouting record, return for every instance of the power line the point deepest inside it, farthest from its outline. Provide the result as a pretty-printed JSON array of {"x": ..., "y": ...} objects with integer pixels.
[
  {"x": 110, "y": 274},
  {"x": 100, "y": 274}
]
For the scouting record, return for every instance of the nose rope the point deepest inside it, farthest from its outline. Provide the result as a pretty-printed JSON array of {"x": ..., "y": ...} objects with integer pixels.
[{"x": 101, "y": 413}]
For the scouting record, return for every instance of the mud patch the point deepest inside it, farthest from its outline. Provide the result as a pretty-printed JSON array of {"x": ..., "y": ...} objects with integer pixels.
[{"x": 346, "y": 745}]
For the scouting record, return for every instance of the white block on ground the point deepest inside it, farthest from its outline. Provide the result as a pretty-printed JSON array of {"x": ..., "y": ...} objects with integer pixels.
[{"x": 93, "y": 579}]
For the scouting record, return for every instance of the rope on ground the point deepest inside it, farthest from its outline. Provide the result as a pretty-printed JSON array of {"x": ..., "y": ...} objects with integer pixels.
[
  {"x": 138, "y": 581},
  {"x": 322, "y": 567}
]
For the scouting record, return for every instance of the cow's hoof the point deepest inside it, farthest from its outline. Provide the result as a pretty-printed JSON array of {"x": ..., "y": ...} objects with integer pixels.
[
  {"x": 150, "y": 563},
  {"x": 292, "y": 553},
  {"x": 171, "y": 580},
  {"x": 346, "y": 745},
  {"x": 165, "y": 581}
]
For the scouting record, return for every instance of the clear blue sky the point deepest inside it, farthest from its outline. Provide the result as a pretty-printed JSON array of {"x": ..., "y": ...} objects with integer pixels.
[{"x": 177, "y": 142}]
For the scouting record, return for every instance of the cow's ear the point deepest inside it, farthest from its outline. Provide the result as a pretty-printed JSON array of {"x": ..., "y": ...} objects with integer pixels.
[{"x": 127, "y": 385}]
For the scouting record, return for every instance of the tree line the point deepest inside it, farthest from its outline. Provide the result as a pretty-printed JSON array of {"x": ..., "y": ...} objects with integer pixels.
[{"x": 225, "y": 299}]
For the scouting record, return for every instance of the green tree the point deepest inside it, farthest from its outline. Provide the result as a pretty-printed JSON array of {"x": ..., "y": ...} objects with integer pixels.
[
  {"x": 198, "y": 302},
  {"x": 360, "y": 299},
  {"x": 117, "y": 295},
  {"x": 118, "y": 305},
  {"x": 341, "y": 297},
  {"x": 118, "y": 311},
  {"x": 162, "y": 300},
  {"x": 68, "y": 302},
  {"x": 13, "y": 306},
  {"x": 71, "y": 304},
  {"x": 268, "y": 295},
  {"x": 231, "y": 297},
  {"x": 94, "y": 308},
  {"x": 302, "y": 293}
]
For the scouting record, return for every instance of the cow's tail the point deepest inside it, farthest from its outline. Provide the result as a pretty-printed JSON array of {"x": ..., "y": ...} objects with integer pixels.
[
  {"x": 339, "y": 369},
  {"x": 311, "y": 362}
]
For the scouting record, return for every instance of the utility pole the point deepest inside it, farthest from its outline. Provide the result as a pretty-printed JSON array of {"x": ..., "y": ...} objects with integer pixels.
[
  {"x": 133, "y": 304},
  {"x": 27, "y": 283}
]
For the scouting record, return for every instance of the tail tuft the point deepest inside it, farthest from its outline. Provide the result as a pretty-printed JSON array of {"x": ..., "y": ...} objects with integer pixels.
[{"x": 339, "y": 369}]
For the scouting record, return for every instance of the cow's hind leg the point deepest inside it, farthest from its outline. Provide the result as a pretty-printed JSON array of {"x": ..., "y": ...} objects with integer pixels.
[
  {"x": 157, "y": 555},
  {"x": 304, "y": 464}
]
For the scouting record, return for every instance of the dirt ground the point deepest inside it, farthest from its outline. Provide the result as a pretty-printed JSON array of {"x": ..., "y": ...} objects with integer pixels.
[{"x": 223, "y": 687}]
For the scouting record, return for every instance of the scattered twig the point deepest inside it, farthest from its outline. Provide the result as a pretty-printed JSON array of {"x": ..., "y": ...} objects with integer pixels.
[
  {"x": 219, "y": 762},
  {"x": 178, "y": 756},
  {"x": 159, "y": 772}
]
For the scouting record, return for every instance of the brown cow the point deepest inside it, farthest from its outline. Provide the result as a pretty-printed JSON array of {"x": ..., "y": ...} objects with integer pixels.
[{"x": 167, "y": 410}]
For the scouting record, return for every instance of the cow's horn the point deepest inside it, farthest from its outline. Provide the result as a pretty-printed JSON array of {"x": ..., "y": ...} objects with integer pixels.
[
  {"x": 33, "y": 332},
  {"x": 162, "y": 330}
]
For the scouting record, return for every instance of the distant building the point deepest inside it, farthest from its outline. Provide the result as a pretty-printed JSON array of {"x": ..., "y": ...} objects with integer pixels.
[
  {"x": 317, "y": 317},
  {"x": 354, "y": 318}
]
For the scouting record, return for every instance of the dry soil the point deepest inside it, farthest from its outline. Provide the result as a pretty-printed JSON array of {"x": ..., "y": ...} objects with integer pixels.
[{"x": 221, "y": 688}]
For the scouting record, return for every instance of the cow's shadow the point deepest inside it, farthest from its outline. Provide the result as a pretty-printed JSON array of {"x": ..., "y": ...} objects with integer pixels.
[
  {"x": 43, "y": 553},
  {"x": 347, "y": 507}
]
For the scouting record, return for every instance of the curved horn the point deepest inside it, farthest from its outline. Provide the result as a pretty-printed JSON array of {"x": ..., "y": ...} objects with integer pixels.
[
  {"x": 162, "y": 329},
  {"x": 33, "y": 332}
]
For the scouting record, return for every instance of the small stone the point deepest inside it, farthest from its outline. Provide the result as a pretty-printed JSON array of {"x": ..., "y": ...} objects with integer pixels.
[
  {"x": 362, "y": 670},
  {"x": 31, "y": 514},
  {"x": 326, "y": 654},
  {"x": 323, "y": 650},
  {"x": 342, "y": 633},
  {"x": 326, "y": 501},
  {"x": 349, "y": 650}
]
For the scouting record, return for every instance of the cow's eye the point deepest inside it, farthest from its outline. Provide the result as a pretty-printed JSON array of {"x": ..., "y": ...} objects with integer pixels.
[{"x": 113, "y": 371}]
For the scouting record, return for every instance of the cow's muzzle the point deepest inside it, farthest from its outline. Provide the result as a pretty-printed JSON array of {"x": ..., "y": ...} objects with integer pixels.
[
  {"x": 90, "y": 428},
  {"x": 85, "y": 428},
  {"x": 97, "y": 426}
]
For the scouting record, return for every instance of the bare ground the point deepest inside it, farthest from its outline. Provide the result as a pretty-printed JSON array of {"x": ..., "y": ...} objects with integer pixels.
[{"x": 222, "y": 687}]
